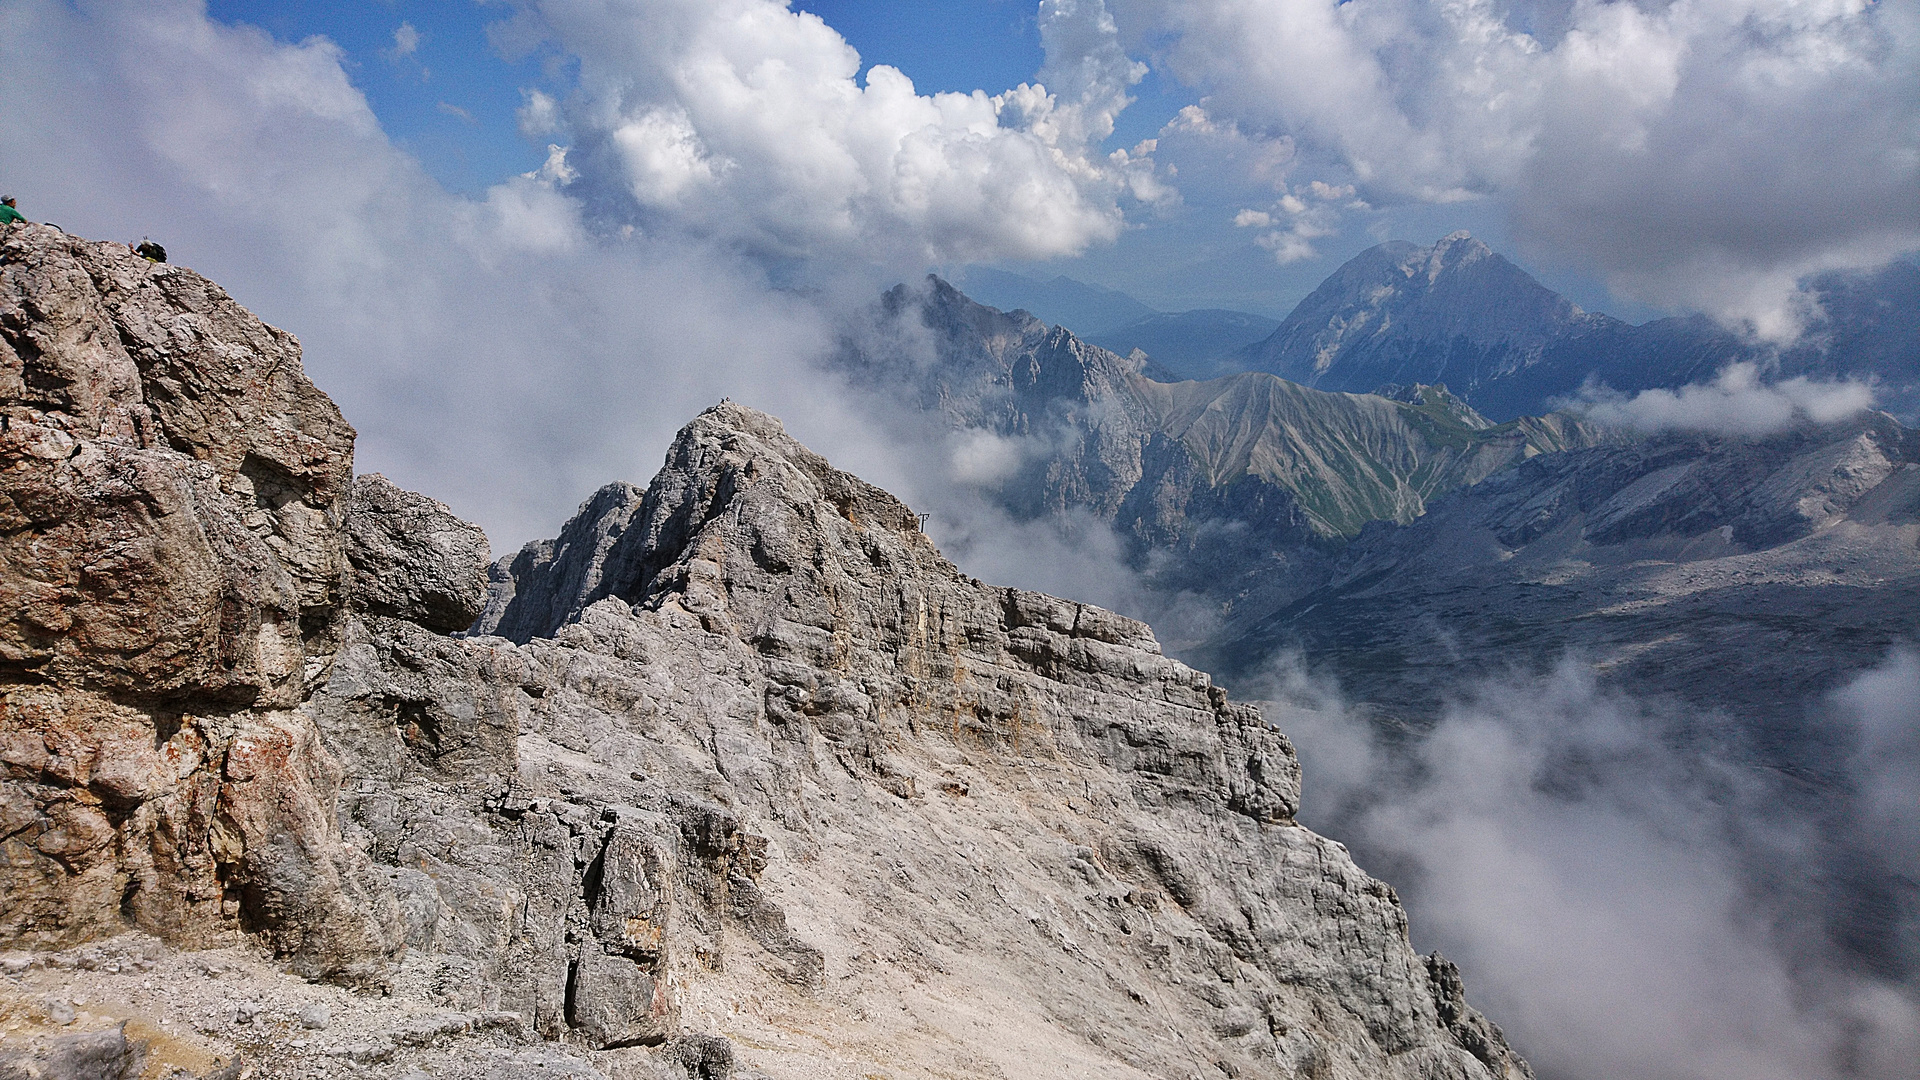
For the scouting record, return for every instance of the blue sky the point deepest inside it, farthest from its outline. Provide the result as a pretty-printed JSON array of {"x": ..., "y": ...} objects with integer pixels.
[
  {"x": 447, "y": 94},
  {"x": 1641, "y": 159},
  {"x": 450, "y": 101}
]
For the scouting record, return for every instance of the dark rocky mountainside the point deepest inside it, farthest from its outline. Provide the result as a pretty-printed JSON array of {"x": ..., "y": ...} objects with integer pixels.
[
  {"x": 758, "y": 785},
  {"x": 1750, "y": 575},
  {"x": 1459, "y": 314},
  {"x": 1455, "y": 313},
  {"x": 1725, "y": 589},
  {"x": 1764, "y": 575},
  {"x": 1421, "y": 554}
]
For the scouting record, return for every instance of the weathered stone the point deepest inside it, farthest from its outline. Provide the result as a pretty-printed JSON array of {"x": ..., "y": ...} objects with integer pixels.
[
  {"x": 171, "y": 489},
  {"x": 826, "y": 695},
  {"x": 412, "y": 559},
  {"x": 532, "y": 592},
  {"x": 106, "y": 345},
  {"x": 87, "y": 1055}
]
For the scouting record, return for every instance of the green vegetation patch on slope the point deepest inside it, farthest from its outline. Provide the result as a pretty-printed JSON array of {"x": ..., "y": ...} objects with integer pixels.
[{"x": 1349, "y": 458}]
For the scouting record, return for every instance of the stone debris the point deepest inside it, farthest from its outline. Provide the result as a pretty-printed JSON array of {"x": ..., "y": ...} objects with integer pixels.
[{"x": 751, "y": 783}]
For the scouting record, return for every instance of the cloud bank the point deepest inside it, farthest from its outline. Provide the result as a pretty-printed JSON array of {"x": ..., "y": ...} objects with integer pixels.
[
  {"x": 1626, "y": 901},
  {"x": 510, "y": 352},
  {"x": 1736, "y": 402},
  {"x": 1704, "y": 153}
]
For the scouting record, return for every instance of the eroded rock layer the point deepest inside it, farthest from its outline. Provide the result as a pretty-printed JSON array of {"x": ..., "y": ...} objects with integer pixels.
[{"x": 760, "y": 781}]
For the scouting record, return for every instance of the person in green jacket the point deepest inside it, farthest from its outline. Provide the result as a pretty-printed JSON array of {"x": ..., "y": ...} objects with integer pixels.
[{"x": 10, "y": 213}]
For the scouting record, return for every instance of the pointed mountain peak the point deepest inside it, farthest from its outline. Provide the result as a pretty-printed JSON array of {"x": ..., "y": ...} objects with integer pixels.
[
  {"x": 1456, "y": 312},
  {"x": 1455, "y": 250},
  {"x": 734, "y": 484}
]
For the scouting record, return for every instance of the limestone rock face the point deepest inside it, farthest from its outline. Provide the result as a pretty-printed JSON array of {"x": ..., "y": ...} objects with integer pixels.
[
  {"x": 171, "y": 493},
  {"x": 548, "y": 580},
  {"x": 174, "y": 483},
  {"x": 904, "y": 804},
  {"x": 757, "y": 784},
  {"x": 412, "y": 558}
]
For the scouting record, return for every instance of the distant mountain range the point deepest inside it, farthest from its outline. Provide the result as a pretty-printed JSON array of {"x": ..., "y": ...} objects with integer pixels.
[
  {"x": 1462, "y": 315},
  {"x": 1190, "y": 344},
  {"x": 1181, "y": 345},
  {"x": 1412, "y": 547},
  {"x": 1214, "y": 483},
  {"x": 1303, "y": 513},
  {"x": 1753, "y": 575},
  {"x": 1750, "y": 572}
]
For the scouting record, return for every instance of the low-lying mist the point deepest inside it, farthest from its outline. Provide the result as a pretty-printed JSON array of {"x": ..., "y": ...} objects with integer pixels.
[{"x": 1627, "y": 896}]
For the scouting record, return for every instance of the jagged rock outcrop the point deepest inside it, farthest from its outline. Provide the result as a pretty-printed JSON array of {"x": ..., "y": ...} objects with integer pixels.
[
  {"x": 759, "y": 764},
  {"x": 412, "y": 558},
  {"x": 943, "y": 791},
  {"x": 171, "y": 496}
]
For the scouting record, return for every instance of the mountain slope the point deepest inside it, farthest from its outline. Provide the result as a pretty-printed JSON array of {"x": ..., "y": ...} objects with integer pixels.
[
  {"x": 1347, "y": 458},
  {"x": 911, "y": 718},
  {"x": 1753, "y": 575},
  {"x": 766, "y": 787},
  {"x": 1455, "y": 313},
  {"x": 1222, "y": 479}
]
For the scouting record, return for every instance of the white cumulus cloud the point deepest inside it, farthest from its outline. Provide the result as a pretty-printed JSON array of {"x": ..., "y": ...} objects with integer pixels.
[
  {"x": 750, "y": 123},
  {"x": 406, "y": 40},
  {"x": 1698, "y": 153},
  {"x": 493, "y": 351},
  {"x": 1297, "y": 219},
  {"x": 1736, "y": 402}
]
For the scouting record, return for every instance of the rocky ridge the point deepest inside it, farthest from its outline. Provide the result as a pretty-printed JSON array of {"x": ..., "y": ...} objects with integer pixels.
[{"x": 762, "y": 785}]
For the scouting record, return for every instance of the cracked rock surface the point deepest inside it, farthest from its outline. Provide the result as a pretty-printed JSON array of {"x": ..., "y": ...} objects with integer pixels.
[{"x": 755, "y": 784}]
